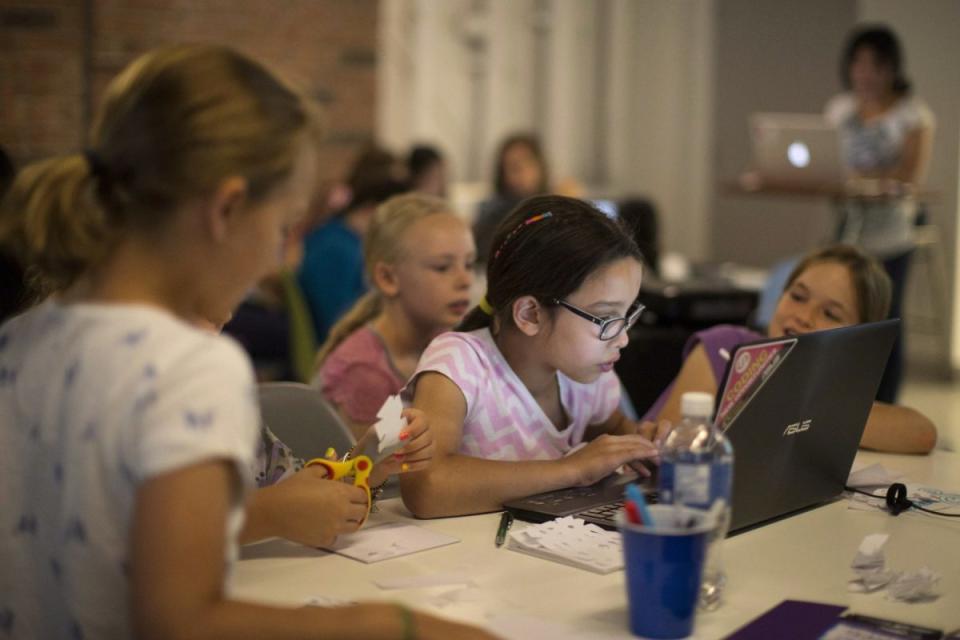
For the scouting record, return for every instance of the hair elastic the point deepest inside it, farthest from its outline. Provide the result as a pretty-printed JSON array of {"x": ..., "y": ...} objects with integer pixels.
[
  {"x": 484, "y": 305},
  {"x": 519, "y": 227},
  {"x": 97, "y": 167}
]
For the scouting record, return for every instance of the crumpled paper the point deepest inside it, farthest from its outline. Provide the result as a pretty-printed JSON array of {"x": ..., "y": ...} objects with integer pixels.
[
  {"x": 869, "y": 565},
  {"x": 914, "y": 586}
]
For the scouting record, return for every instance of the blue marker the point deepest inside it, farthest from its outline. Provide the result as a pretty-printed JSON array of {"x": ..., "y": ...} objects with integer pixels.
[{"x": 636, "y": 496}]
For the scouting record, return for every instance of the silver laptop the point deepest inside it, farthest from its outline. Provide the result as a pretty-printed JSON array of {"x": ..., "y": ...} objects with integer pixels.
[{"x": 800, "y": 149}]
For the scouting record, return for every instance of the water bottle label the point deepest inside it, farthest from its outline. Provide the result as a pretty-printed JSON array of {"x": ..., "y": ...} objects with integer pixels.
[{"x": 692, "y": 483}]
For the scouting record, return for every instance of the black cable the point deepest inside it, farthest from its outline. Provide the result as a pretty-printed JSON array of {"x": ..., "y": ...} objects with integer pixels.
[{"x": 897, "y": 501}]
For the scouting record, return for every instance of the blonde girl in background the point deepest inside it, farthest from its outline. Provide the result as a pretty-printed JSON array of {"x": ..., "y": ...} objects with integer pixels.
[
  {"x": 836, "y": 286},
  {"x": 127, "y": 433},
  {"x": 419, "y": 258}
]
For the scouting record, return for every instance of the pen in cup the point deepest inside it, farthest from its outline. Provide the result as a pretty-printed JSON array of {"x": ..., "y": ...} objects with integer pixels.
[
  {"x": 505, "y": 521},
  {"x": 635, "y": 496}
]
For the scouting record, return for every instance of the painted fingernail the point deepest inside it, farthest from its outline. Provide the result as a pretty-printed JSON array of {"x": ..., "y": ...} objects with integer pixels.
[
  {"x": 404, "y": 467},
  {"x": 404, "y": 435},
  {"x": 398, "y": 456}
]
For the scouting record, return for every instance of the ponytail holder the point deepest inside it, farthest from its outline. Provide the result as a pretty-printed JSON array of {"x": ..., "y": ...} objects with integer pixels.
[
  {"x": 484, "y": 305},
  {"x": 97, "y": 167}
]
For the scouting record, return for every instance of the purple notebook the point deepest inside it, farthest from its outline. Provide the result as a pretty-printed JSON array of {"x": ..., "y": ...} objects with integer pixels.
[{"x": 791, "y": 620}]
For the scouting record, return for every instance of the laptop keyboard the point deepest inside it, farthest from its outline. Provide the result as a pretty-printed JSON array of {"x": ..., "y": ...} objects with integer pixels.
[
  {"x": 560, "y": 497},
  {"x": 605, "y": 514}
]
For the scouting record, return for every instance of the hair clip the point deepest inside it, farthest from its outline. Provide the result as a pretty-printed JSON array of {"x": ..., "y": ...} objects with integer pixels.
[
  {"x": 519, "y": 227},
  {"x": 485, "y": 306}
]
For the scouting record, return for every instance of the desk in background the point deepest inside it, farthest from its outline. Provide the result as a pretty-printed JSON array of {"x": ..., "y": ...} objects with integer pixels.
[
  {"x": 805, "y": 557},
  {"x": 674, "y": 312}
]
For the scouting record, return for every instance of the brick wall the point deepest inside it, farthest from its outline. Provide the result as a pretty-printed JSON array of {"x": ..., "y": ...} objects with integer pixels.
[{"x": 56, "y": 57}]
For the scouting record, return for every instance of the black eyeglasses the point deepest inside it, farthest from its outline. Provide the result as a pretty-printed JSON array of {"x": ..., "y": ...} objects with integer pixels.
[{"x": 610, "y": 328}]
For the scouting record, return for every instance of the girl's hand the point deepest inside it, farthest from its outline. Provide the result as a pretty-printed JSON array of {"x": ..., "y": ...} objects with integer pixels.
[
  {"x": 310, "y": 509},
  {"x": 605, "y": 454},
  {"x": 416, "y": 454},
  {"x": 655, "y": 432}
]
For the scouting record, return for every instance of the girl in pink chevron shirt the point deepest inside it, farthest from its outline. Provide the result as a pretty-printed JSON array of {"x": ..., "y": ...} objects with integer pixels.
[{"x": 523, "y": 397}]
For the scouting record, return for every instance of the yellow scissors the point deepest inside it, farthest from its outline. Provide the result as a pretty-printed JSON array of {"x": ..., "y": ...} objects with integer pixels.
[{"x": 359, "y": 467}]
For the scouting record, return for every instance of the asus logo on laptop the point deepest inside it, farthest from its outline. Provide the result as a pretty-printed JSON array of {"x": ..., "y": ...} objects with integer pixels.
[{"x": 797, "y": 427}]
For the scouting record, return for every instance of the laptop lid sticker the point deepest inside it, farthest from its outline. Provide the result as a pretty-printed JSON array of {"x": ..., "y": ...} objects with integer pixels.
[{"x": 751, "y": 367}]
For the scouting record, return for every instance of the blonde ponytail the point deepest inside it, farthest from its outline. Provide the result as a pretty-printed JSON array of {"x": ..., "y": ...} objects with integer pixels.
[
  {"x": 51, "y": 223},
  {"x": 172, "y": 125},
  {"x": 363, "y": 311}
]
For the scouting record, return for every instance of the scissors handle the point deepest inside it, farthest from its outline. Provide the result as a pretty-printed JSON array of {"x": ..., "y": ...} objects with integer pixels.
[{"x": 359, "y": 467}]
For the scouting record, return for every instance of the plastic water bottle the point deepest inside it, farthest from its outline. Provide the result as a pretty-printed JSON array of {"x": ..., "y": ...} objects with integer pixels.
[{"x": 696, "y": 469}]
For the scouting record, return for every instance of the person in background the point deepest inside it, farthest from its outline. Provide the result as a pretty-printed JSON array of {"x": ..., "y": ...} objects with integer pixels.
[
  {"x": 520, "y": 171},
  {"x": 832, "y": 287},
  {"x": 127, "y": 432},
  {"x": 886, "y": 134},
  {"x": 331, "y": 273},
  {"x": 523, "y": 397},
  {"x": 428, "y": 171},
  {"x": 273, "y": 323},
  {"x": 419, "y": 260}
]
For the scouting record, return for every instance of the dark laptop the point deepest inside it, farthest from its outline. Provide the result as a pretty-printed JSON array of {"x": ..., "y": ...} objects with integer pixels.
[{"x": 794, "y": 409}]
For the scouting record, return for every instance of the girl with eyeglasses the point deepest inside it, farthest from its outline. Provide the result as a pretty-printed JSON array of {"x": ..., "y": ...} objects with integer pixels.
[{"x": 523, "y": 397}]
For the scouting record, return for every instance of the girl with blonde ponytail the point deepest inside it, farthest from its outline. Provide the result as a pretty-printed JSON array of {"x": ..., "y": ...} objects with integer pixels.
[
  {"x": 127, "y": 433},
  {"x": 419, "y": 261}
]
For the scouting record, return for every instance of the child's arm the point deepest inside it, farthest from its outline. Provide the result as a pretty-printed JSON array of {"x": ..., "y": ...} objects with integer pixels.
[
  {"x": 898, "y": 429},
  {"x": 415, "y": 455},
  {"x": 456, "y": 484},
  {"x": 695, "y": 375},
  {"x": 620, "y": 425},
  {"x": 177, "y": 549},
  {"x": 306, "y": 508}
]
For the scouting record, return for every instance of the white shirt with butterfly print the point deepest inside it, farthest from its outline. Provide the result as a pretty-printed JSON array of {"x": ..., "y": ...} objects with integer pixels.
[{"x": 94, "y": 401}]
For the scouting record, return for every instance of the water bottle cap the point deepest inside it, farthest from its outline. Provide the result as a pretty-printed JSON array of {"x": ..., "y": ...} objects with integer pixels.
[{"x": 696, "y": 403}]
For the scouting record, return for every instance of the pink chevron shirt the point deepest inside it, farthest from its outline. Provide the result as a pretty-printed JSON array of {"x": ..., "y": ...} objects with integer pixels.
[{"x": 503, "y": 420}]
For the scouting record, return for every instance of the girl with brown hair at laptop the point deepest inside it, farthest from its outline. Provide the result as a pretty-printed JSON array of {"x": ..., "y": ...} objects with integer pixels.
[{"x": 832, "y": 287}]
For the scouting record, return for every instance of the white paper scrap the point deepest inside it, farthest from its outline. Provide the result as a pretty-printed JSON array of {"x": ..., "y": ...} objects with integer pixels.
[
  {"x": 869, "y": 565},
  {"x": 875, "y": 475},
  {"x": 328, "y": 601},
  {"x": 522, "y": 627},
  {"x": 870, "y": 553},
  {"x": 389, "y": 540},
  {"x": 390, "y": 423},
  {"x": 914, "y": 586},
  {"x": 429, "y": 580},
  {"x": 462, "y": 596}
]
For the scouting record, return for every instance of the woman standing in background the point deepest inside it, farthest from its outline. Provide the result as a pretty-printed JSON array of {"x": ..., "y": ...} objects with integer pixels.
[{"x": 886, "y": 135}]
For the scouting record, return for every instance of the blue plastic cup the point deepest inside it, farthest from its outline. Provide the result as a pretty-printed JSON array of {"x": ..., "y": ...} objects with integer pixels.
[{"x": 664, "y": 567}]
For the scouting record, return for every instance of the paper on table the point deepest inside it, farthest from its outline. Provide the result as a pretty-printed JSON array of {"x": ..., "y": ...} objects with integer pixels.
[
  {"x": 328, "y": 601},
  {"x": 921, "y": 496},
  {"x": 522, "y": 627},
  {"x": 571, "y": 541},
  {"x": 430, "y": 580},
  {"x": 869, "y": 565},
  {"x": 875, "y": 475},
  {"x": 390, "y": 423},
  {"x": 914, "y": 586},
  {"x": 872, "y": 575},
  {"x": 389, "y": 540}
]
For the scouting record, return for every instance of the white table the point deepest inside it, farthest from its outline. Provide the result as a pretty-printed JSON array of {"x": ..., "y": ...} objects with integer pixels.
[{"x": 805, "y": 557}]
